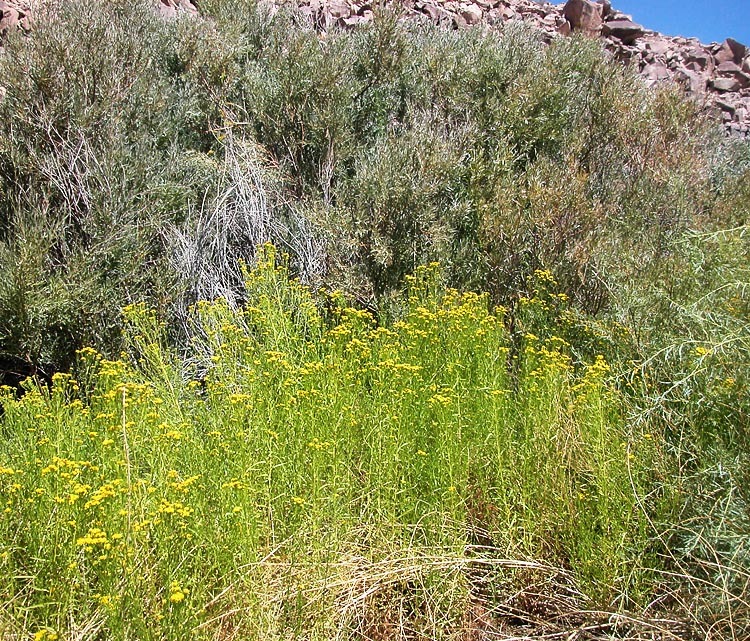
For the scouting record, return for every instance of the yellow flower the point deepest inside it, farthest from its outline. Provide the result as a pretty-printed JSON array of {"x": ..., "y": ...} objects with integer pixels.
[
  {"x": 177, "y": 593},
  {"x": 94, "y": 536}
]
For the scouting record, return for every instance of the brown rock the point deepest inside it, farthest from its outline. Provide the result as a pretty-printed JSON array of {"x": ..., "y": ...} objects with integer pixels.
[
  {"x": 700, "y": 58},
  {"x": 584, "y": 15},
  {"x": 494, "y": 16},
  {"x": 339, "y": 9},
  {"x": 624, "y": 30},
  {"x": 458, "y": 21},
  {"x": 657, "y": 46},
  {"x": 725, "y": 84},
  {"x": 730, "y": 51},
  {"x": 731, "y": 70},
  {"x": 725, "y": 106},
  {"x": 353, "y": 21},
  {"x": 693, "y": 82},
  {"x": 656, "y": 72},
  {"x": 167, "y": 9},
  {"x": 564, "y": 29},
  {"x": 625, "y": 54},
  {"x": 472, "y": 14},
  {"x": 536, "y": 10},
  {"x": 728, "y": 68},
  {"x": 432, "y": 11},
  {"x": 618, "y": 15},
  {"x": 509, "y": 14}
]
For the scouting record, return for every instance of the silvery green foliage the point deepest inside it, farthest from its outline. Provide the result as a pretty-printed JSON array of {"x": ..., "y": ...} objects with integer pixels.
[{"x": 223, "y": 234}]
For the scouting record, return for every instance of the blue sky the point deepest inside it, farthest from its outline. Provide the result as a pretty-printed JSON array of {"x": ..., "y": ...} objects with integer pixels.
[{"x": 709, "y": 21}]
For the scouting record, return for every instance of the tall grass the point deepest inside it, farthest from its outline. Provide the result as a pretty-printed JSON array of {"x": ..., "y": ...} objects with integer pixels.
[{"x": 327, "y": 478}]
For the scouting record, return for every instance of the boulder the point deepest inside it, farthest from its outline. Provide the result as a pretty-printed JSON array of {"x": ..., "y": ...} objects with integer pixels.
[
  {"x": 699, "y": 58},
  {"x": 585, "y": 16},
  {"x": 656, "y": 72},
  {"x": 508, "y": 13},
  {"x": 339, "y": 9},
  {"x": 658, "y": 46},
  {"x": 624, "y": 30},
  {"x": 472, "y": 14},
  {"x": 732, "y": 70},
  {"x": 725, "y": 84},
  {"x": 730, "y": 51},
  {"x": 167, "y": 10},
  {"x": 728, "y": 68},
  {"x": 429, "y": 9},
  {"x": 725, "y": 106},
  {"x": 693, "y": 82}
]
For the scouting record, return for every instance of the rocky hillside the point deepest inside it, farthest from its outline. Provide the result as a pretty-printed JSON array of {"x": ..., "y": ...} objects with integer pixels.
[{"x": 716, "y": 74}]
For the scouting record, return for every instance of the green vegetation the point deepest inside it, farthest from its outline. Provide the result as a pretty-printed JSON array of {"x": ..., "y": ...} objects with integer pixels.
[
  {"x": 547, "y": 431},
  {"x": 325, "y": 467}
]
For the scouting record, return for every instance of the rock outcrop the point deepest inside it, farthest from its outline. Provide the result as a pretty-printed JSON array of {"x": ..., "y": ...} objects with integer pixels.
[{"x": 716, "y": 74}]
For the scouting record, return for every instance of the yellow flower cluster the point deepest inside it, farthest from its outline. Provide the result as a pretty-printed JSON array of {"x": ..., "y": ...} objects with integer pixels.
[
  {"x": 100, "y": 495},
  {"x": 95, "y": 536},
  {"x": 177, "y": 593}
]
